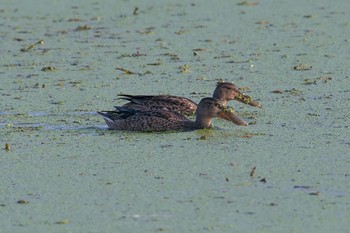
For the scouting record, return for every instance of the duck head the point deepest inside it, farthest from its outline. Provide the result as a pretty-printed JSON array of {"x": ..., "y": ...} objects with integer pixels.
[
  {"x": 226, "y": 91},
  {"x": 208, "y": 108}
]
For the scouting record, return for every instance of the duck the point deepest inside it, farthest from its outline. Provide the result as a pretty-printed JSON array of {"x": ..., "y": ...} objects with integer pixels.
[
  {"x": 158, "y": 120},
  {"x": 224, "y": 91}
]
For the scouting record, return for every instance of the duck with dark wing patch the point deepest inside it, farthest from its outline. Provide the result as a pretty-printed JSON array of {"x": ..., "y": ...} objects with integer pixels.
[{"x": 124, "y": 118}]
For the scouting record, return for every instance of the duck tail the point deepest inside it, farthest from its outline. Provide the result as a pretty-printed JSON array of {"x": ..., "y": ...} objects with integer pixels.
[
  {"x": 126, "y": 97},
  {"x": 107, "y": 116}
]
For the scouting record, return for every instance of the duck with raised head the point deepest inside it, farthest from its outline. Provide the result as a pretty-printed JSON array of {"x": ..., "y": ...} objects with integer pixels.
[
  {"x": 224, "y": 91},
  {"x": 154, "y": 120}
]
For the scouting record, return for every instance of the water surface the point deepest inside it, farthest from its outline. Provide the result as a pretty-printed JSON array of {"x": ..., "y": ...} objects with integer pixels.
[{"x": 65, "y": 172}]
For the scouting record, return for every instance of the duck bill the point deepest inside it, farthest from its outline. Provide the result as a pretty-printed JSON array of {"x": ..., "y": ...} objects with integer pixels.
[
  {"x": 232, "y": 117},
  {"x": 246, "y": 99}
]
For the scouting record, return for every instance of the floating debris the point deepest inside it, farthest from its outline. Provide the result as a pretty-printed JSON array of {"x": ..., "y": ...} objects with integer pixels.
[
  {"x": 136, "y": 11},
  {"x": 37, "y": 85},
  {"x": 324, "y": 79},
  {"x": 247, "y": 135},
  {"x": 173, "y": 57},
  {"x": 184, "y": 68},
  {"x": 315, "y": 80},
  {"x": 22, "y": 202},
  {"x": 182, "y": 31},
  {"x": 76, "y": 83},
  {"x": 309, "y": 81},
  {"x": 147, "y": 31},
  {"x": 294, "y": 92},
  {"x": 302, "y": 187},
  {"x": 253, "y": 172},
  {"x": 263, "y": 22},
  {"x": 96, "y": 18},
  {"x": 198, "y": 49},
  {"x": 314, "y": 193},
  {"x": 63, "y": 221},
  {"x": 74, "y": 20},
  {"x": 82, "y": 28},
  {"x": 302, "y": 67},
  {"x": 245, "y": 3},
  {"x": 137, "y": 54},
  {"x": 263, "y": 180},
  {"x": 7, "y": 147},
  {"x": 154, "y": 64},
  {"x": 48, "y": 68},
  {"x": 277, "y": 91},
  {"x": 126, "y": 71},
  {"x": 308, "y": 16},
  {"x": 30, "y": 47}
]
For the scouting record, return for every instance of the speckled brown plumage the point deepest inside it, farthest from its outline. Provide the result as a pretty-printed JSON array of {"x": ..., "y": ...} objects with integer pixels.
[
  {"x": 124, "y": 118},
  {"x": 224, "y": 91},
  {"x": 178, "y": 104}
]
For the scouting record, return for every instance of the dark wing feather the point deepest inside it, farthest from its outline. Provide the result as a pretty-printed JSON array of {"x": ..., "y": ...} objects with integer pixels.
[{"x": 182, "y": 105}]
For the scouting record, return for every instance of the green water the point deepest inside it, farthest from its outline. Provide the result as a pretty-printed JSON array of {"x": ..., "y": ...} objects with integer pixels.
[{"x": 64, "y": 172}]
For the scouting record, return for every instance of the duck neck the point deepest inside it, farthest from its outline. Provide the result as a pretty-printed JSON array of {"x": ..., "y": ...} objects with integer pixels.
[{"x": 203, "y": 122}]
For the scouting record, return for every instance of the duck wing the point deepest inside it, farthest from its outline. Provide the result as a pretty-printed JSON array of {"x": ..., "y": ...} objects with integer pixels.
[
  {"x": 152, "y": 120},
  {"x": 178, "y": 104}
]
